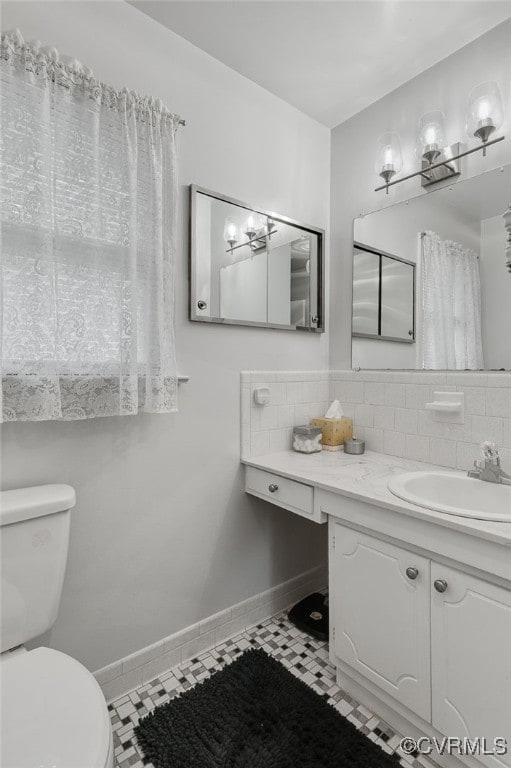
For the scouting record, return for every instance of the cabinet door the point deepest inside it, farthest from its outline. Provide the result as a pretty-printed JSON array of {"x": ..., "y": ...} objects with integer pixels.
[
  {"x": 471, "y": 659},
  {"x": 382, "y": 616}
]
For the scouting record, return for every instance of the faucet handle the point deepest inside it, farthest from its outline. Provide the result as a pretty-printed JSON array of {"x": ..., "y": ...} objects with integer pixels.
[{"x": 490, "y": 452}]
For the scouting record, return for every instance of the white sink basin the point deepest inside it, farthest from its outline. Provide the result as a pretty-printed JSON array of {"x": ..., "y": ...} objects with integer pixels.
[{"x": 454, "y": 493}]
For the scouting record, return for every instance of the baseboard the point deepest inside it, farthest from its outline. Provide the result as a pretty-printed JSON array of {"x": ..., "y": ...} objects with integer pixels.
[{"x": 141, "y": 667}]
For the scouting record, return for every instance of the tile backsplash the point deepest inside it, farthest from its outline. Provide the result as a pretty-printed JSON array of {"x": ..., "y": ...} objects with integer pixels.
[{"x": 387, "y": 408}]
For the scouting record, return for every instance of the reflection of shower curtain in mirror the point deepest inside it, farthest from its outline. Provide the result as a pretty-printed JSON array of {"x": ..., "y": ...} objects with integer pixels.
[{"x": 450, "y": 327}]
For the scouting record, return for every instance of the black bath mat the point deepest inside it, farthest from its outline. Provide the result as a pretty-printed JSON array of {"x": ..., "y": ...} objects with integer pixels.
[{"x": 254, "y": 714}]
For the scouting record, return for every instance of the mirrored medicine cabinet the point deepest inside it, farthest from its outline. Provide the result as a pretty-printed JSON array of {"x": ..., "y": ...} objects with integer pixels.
[
  {"x": 431, "y": 271},
  {"x": 253, "y": 267}
]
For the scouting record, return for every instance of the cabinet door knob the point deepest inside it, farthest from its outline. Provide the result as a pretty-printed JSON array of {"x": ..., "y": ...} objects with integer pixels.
[
  {"x": 440, "y": 585},
  {"x": 412, "y": 573},
  {"x": 273, "y": 487}
]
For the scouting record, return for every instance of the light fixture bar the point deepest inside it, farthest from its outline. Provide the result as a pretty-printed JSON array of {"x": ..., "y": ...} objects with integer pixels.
[
  {"x": 253, "y": 240},
  {"x": 446, "y": 161}
]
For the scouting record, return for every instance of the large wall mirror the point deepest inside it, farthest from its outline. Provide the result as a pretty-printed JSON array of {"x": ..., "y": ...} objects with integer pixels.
[
  {"x": 252, "y": 267},
  {"x": 460, "y": 299}
]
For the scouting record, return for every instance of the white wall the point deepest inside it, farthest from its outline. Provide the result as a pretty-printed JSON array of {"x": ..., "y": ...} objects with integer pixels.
[
  {"x": 445, "y": 86},
  {"x": 163, "y": 533},
  {"x": 495, "y": 294}
]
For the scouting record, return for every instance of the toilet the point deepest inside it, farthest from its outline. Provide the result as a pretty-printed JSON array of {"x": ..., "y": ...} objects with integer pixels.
[{"x": 54, "y": 714}]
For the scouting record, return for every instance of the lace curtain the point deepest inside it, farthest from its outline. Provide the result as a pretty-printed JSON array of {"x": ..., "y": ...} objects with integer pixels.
[
  {"x": 451, "y": 305},
  {"x": 88, "y": 194}
]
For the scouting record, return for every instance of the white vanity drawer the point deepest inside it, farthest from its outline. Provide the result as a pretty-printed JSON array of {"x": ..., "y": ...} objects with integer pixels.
[{"x": 283, "y": 492}]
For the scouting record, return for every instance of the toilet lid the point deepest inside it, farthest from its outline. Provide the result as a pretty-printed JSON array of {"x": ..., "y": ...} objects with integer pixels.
[{"x": 54, "y": 714}]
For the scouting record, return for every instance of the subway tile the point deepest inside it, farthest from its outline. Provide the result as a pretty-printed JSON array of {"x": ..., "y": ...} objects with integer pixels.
[
  {"x": 475, "y": 400},
  {"x": 286, "y": 416},
  {"x": 280, "y": 440},
  {"x": 310, "y": 392},
  {"x": 245, "y": 606},
  {"x": 498, "y": 402},
  {"x": 417, "y": 447},
  {"x": 394, "y": 443},
  {"x": 278, "y": 394},
  {"x": 324, "y": 390},
  {"x": 294, "y": 392},
  {"x": 467, "y": 379},
  {"x": 395, "y": 394},
  {"x": 161, "y": 664},
  {"x": 466, "y": 454},
  {"x": 338, "y": 391},
  {"x": 262, "y": 377},
  {"x": 500, "y": 379},
  {"x": 487, "y": 428},
  {"x": 180, "y": 638},
  {"x": 374, "y": 393},
  {"x": 108, "y": 673},
  {"x": 364, "y": 415},
  {"x": 142, "y": 657},
  {"x": 405, "y": 420},
  {"x": 198, "y": 645},
  {"x": 214, "y": 621},
  {"x": 384, "y": 417},
  {"x": 374, "y": 439},
  {"x": 355, "y": 391},
  {"x": 259, "y": 443},
  {"x": 302, "y": 414},
  {"x": 269, "y": 417},
  {"x": 442, "y": 452},
  {"x": 417, "y": 395}
]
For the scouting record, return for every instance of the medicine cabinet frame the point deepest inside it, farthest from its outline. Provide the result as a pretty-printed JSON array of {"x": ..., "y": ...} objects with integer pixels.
[
  {"x": 195, "y": 300},
  {"x": 383, "y": 254}
]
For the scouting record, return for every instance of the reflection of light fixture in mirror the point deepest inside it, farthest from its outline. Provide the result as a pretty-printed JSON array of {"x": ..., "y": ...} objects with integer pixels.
[
  {"x": 250, "y": 228},
  {"x": 230, "y": 231},
  {"x": 431, "y": 136},
  {"x": 388, "y": 157},
  {"x": 485, "y": 112}
]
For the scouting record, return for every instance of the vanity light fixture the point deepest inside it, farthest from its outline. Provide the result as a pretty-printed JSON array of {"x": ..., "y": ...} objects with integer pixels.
[
  {"x": 485, "y": 112},
  {"x": 231, "y": 234},
  {"x": 439, "y": 161},
  {"x": 431, "y": 137},
  {"x": 389, "y": 160}
]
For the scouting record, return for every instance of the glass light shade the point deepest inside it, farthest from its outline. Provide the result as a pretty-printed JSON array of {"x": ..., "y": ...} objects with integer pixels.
[
  {"x": 389, "y": 160},
  {"x": 231, "y": 233},
  {"x": 250, "y": 226},
  {"x": 485, "y": 111},
  {"x": 431, "y": 136}
]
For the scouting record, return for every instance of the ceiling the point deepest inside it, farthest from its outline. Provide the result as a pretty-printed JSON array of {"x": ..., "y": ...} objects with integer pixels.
[{"x": 330, "y": 59}]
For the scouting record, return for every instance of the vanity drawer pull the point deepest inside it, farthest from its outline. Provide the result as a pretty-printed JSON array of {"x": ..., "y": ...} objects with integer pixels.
[
  {"x": 273, "y": 487},
  {"x": 412, "y": 573},
  {"x": 440, "y": 585}
]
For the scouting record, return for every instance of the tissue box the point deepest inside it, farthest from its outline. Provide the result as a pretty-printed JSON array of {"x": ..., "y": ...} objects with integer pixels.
[{"x": 334, "y": 431}]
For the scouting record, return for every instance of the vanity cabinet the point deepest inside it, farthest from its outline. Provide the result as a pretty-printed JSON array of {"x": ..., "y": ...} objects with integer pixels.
[
  {"x": 381, "y": 615},
  {"x": 434, "y": 638},
  {"x": 471, "y": 658},
  {"x": 284, "y": 492}
]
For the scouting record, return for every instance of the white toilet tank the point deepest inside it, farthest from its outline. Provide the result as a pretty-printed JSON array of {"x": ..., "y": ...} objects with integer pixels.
[{"x": 34, "y": 537}]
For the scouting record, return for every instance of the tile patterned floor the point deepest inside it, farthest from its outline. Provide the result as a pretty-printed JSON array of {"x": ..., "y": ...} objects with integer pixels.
[{"x": 305, "y": 657}]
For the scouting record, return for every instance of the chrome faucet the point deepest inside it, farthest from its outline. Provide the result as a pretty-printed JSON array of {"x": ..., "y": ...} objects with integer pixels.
[{"x": 488, "y": 468}]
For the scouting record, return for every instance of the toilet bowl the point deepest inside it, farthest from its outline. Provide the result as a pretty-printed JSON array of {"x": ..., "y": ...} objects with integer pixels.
[{"x": 54, "y": 714}]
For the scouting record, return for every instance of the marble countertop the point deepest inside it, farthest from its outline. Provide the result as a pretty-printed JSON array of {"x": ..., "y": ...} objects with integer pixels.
[{"x": 365, "y": 478}]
